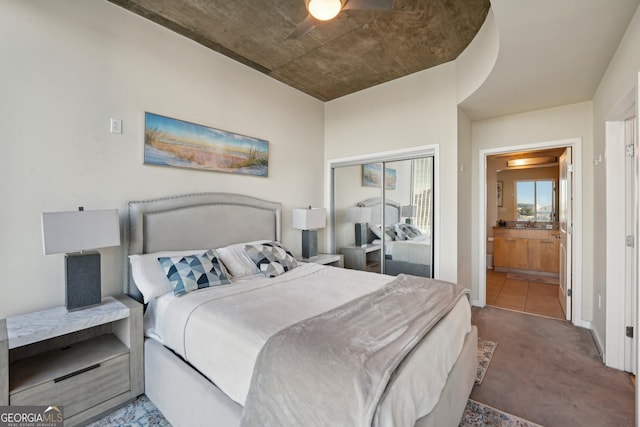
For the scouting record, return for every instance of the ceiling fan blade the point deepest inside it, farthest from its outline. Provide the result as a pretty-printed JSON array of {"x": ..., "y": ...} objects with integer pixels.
[
  {"x": 368, "y": 4},
  {"x": 304, "y": 27}
]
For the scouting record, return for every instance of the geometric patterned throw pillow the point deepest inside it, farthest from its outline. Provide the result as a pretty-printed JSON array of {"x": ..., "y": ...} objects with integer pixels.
[
  {"x": 271, "y": 258},
  {"x": 192, "y": 272}
]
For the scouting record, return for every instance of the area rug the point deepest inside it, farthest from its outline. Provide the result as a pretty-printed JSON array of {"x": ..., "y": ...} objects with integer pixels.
[
  {"x": 476, "y": 414},
  {"x": 485, "y": 354},
  {"x": 141, "y": 413},
  {"x": 533, "y": 278}
]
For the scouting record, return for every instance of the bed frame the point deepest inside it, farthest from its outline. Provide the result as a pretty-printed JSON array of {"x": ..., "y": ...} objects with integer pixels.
[
  {"x": 182, "y": 394},
  {"x": 391, "y": 216}
]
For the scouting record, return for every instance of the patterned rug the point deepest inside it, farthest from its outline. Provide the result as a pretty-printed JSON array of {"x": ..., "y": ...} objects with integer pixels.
[
  {"x": 478, "y": 415},
  {"x": 485, "y": 354},
  {"x": 143, "y": 413}
]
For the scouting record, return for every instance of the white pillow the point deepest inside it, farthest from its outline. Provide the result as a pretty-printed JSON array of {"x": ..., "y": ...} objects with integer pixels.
[
  {"x": 148, "y": 274},
  {"x": 236, "y": 260}
]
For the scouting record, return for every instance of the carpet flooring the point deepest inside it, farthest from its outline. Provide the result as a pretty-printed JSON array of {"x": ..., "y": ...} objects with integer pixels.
[{"x": 549, "y": 372}]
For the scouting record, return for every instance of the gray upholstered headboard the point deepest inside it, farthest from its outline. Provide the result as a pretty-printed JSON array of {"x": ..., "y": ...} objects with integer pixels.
[
  {"x": 391, "y": 213},
  {"x": 194, "y": 221}
]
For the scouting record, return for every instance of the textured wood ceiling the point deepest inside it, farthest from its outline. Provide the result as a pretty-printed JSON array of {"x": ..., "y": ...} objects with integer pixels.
[{"x": 356, "y": 50}]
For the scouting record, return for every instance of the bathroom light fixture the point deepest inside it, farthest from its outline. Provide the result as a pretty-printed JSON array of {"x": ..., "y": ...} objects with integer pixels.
[
  {"x": 324, "y": 10},
  {"x": 531, "y": 161}
]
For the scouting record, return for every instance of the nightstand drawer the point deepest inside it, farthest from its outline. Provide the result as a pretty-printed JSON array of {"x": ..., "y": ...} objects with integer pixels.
[{"x": 79, "y": 390}]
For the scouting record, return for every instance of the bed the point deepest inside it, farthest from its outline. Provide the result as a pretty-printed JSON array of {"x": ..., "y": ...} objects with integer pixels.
[
  {"x": 406, "y": 251},
  {"x": 212, "y": 387}
]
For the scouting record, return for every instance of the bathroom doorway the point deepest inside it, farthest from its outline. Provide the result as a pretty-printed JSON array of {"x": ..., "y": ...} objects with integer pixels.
[{"x": 524, "y": 258}]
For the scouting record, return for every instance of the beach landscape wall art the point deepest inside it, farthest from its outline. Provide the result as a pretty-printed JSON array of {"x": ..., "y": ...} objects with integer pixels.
[
  {"x": 173, "y": 142},
  {"x": 372, "y": 176}
]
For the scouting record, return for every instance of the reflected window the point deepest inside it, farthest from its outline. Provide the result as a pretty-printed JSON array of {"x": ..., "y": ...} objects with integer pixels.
[
  {"x": 422, "y": 193},
  {"x": 535, "y": 200}
]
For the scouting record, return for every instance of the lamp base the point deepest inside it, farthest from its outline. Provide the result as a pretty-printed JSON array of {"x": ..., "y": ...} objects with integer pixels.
[
  {"x": 309, "y": 243},
  {"x": 361, "y": 233},
  {"x": 82, "y": 274}
]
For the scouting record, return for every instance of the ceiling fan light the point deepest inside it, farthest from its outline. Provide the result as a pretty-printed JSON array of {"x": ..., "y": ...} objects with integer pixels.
[{"x": 324, "y": 9}]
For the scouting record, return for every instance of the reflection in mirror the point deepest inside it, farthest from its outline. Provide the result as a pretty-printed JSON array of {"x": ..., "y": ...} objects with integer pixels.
[
  {"x": 404, "y": 243},
  {"x": 527, "y": 194},
  {"x": 535, "y": 200},
  {"x": 409, "y": 249},
  {"x": 351, "y": 185}
]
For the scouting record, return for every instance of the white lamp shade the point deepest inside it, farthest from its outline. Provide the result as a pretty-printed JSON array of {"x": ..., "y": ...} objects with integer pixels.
[
  {"x": 309, "y": 219},
  {"x": 358, "y": 214},
  {"x": 408, "y": 210},
  {"x": 75, "y": 231}
]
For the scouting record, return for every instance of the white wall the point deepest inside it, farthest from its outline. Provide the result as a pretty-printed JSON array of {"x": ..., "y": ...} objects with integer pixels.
[
  {"x": 620, "y": 79},
  {"x": 465, "y": 212},
  {"x": 552, "y": 124},
  {"x": 68, "y": 67},
  {"x": 412, "y": 111}
]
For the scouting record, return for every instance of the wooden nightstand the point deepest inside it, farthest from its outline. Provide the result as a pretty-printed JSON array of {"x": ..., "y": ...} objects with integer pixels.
[
  {"x": 88, "y": 361},
  {"x": 335, "y": 260},
  {"x": 362, "y": 257}
]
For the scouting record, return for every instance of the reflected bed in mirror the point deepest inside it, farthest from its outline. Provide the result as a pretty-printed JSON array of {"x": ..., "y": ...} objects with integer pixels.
[{"x": 407, "y": 247}]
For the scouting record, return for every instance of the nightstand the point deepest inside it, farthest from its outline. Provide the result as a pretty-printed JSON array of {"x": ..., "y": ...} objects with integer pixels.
[
  {"x": 362, "y": 257},
  {"x": 89, "y": 361},
  {"x": 335, "y": 260}
]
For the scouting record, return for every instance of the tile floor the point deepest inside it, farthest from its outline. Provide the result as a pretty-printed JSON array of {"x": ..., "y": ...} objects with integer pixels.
[{"x": 528, "y": 297}]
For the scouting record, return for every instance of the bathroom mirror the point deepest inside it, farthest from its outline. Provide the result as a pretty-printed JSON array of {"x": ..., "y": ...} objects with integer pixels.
[{"x": 528, "y": 194}]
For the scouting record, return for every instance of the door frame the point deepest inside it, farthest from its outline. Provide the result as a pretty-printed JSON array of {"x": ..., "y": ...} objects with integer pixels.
[
  {"x": 615, "y": 351},
  {"x": 576, "y": 145}
]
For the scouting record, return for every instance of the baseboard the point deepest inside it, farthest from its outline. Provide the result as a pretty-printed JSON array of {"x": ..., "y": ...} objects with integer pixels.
[
  {"x": 477, "y": 303},
  {"x": 598, "y": 341},
  {"x": 582, "y": 323}
]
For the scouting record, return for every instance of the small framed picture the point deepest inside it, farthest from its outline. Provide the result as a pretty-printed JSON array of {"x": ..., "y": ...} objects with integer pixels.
[{"x": 499, "y": 196}]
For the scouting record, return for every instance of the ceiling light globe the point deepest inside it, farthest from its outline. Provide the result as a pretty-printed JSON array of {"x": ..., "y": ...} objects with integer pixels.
[{"x": 324, "y": 9}]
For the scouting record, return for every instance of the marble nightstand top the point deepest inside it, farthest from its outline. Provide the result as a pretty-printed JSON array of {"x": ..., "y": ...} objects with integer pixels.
[{"x": 41, "y": 325}]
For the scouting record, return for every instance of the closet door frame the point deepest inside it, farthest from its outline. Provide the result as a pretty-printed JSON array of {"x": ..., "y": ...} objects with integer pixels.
[{"x": 432, "y": 150}]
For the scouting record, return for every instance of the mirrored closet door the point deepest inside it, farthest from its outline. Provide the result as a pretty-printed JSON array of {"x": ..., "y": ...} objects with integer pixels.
[{"x": 384, "y": 217}]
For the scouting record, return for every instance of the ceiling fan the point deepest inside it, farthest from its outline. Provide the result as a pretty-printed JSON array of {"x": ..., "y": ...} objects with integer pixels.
[{"x": 325, "y": 10}]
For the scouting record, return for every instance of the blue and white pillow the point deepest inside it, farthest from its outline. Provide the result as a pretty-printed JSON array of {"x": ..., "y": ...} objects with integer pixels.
[
  {"x": 399, "y": 233},
  {"x": 271, "y": 258},
  {"x": 192, "y": 272},
  {"x": 411, "y": 230}
]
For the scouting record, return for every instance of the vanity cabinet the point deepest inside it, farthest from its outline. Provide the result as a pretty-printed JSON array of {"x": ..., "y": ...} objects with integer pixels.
[
  {"x": 526, "y": 249},
  {"x": 510, "y": 252},
  {"x": 543, "y": 255}
]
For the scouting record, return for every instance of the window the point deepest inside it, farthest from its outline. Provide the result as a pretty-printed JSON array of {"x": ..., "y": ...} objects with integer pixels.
[
  {"x": 535, "y": 200},
  {"x": 422, "y": 193}
]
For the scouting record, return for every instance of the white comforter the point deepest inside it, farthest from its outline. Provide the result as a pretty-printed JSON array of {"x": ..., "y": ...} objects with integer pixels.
[{"x": 221, "y": 330}]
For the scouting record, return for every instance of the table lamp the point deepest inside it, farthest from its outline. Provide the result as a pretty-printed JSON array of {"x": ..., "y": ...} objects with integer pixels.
[
  {"x": 360, "y": 216},
  {"x": 78, "y": 234},
  {"x": 309, "y": 220},
  {"x": 408, "y": 212}
]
